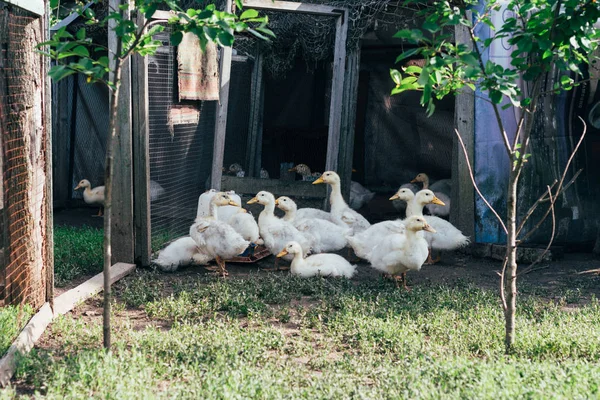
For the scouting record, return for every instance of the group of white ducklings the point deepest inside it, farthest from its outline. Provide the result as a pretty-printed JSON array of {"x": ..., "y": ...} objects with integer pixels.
[{"x": 223, "y": 230}]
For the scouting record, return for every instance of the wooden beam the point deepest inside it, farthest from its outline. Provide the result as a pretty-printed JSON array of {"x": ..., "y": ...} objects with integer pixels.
[
  {"x": 48, "y": 200},
  {"x": 122, "y": 241},
  {"x": 141, "y": 159},
  {"x": 63, "y": 304},
  {"x": 253, "y": 160},
  {"x": 293, "y": 7},
  {"x": 251, "y": 186},
  {"x": 346, "y": 150},
  {"x": 462, "y": 212},
  {"x": 221, "y": 120}
]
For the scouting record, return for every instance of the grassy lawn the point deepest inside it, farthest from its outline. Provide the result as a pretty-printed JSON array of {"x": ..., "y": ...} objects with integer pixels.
[
  {"x": 77, "y": 252},
  {"x": 270, "y": 336},
  {"x": 12, "y": 320}
]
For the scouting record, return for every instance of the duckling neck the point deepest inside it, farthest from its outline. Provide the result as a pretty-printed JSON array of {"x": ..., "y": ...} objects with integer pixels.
[
  {"x": 290, "y": 215},
  {"x": 336, "y": 199},
  {"x": 426, "y": 183},
  {"x": 413, "y": 207},
  {"x": 297, "y": 262},
  {"x": 269, "y": 211},
  {"x": 212, "y": 210}
]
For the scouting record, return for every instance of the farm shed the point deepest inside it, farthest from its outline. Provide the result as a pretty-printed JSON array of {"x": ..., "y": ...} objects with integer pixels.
[
  {"x": 26, "y": 255},
  {"x": 312, "y": 96}
]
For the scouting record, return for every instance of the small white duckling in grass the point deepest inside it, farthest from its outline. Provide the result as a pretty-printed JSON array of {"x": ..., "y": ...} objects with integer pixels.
[
  {"x": 217, "y": 238},
  {"x": 318, "y": 264},
  {"x": 328, "y": 236},
  {"x": 402, "y": 251},
  {"x": 180, "y": 253},
  {"x": 92, "y": 196}
]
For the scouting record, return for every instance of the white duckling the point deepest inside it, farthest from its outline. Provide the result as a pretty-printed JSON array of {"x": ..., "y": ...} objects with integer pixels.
[
  {"x": 223, "y": 213},
  {"x": 448, "y": 237},
  {"x": 318, "y": 264},
  {"x": 400, "y": 205},
  {"x": 92, "y": 196},
  {"x": 275, "y": 232},
  {"x": 363, "y": 242},
  {"x": 328, "y": 236},
  {"x": 339, "y": 208},
  {"x": 217, "y": 238},
  {"x": 180, "y": 253},
  {"x": 402, "y": 251},
  {"x": 243, "y": 222},
  {"x": 442, "y": 189}
]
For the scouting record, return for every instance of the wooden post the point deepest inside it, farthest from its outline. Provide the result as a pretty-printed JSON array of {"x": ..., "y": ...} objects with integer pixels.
[
  {"x": 122, "y": 195},
  {"x": 254, "y": 144},
  {"x": 346, "y": 151},
  {"x": 221, "y": 120},
  {"x": 462, "y": 212},
  {"x": 141, "y": 159}
]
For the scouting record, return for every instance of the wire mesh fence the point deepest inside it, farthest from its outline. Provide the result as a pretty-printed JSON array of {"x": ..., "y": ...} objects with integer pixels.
[
  {"x": 23, "y": 137},
  {"x": 180, "y": 148}
]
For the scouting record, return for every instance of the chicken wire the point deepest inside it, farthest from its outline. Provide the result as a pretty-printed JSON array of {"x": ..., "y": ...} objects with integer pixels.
[
  {"x": 24, "y": 259},
  {"x": 180, "y": 153}
]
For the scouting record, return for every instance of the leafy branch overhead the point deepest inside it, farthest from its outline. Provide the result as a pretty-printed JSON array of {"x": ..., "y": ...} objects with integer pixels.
[
  {"x": 79, "y": 54},
  {"x": 546, "y": 35}
]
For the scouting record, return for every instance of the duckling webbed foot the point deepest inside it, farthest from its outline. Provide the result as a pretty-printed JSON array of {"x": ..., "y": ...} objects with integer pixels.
[{"x": 431, "y": 261}]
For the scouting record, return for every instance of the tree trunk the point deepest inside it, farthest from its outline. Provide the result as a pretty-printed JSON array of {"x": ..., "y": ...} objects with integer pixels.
[{"x": 511, "y": 258}]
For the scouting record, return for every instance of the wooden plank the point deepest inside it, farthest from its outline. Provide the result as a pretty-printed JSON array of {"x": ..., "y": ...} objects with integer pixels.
[
  {"x": 122, "y": 238},
  {"x": 141, "y": 158},
  {"x": 462, "y": 212},
  {"x": 346, "y": 150},
  {"x": 221, "y": 119},
  {"x": 48, "y": 155},
  {"x": 288, "y": 6},
  {"x": 35, "y": 6},
  {"x": 253, "y": 163},
  {"x": 252, "y": 186},
  {"x": 63, "y": 304},
  {"x": 60, "y": 138}
]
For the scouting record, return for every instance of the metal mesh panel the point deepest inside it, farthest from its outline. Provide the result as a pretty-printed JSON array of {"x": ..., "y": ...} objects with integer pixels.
[
  {"x": 180, "y": 153},
  {"x": 23, "y": 137}
]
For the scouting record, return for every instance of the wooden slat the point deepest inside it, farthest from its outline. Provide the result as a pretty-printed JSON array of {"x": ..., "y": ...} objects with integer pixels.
[
  {"x": 48, "y": 200},
  {"x": 122, "y": 241},
  {"x": 63, "y": 304},
  {"x": 221, "y": 120},
  {"x": 141, "y": 159},
  {"x": 346, "y": 151},
  {"x": 253, "y": 161},
  {"x": 462, "y": 211},
  {"x": 252, "y": 186},
  {"x": 302, "y": 8}
]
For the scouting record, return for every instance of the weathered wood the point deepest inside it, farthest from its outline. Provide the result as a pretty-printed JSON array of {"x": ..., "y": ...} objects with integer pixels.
[
  {"x": 63, "y": 304},
  {"x": 221, "y": 118},
  {"x": 252, "y": 186},
  {"x": 122, "y": 236},
  {"x": 34, "y": 6},
  {"x": 141, "y": 159},
  {"x": 60, "y": 149},
  {"x": 253, "y": 163},
  {"x": 462, "y": 212},
  {"x": 48, "y": 235},
  {"x": 288, "y": 6},
  {"x": 72, "y": 135},
  {"x": 346, "y": 150}
]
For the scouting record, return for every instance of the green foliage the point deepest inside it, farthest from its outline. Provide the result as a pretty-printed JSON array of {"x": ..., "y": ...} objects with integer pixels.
[
  {"x": 547, "y": 34},
  {"x": 88, "y": 58},
  {"x": 12, "y": 320},
  {"x": 279, "y": 336},
  {"x": 77, "y": 252}
]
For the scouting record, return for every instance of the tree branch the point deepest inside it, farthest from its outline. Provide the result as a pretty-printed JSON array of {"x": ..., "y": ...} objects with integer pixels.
[
  {"x": 487, "y": 203},
  {"x": 541, "y": 256}
]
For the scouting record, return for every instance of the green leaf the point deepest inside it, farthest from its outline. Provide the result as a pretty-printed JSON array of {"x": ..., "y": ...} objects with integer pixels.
[
  {"x": 469, "y": 59},
  {"x": 495, "y": 96},
  {"x": 151, "y": 10},
  {"x": 396, "y": 76},
  {"x": 239, "y": 4},
  {"x": 225, "y": 38},
  {"x": 80, "y": 34},
  {"x": 250, "y": 13},
  {"x": 81, "y": 51},
  {"x": 565, "y": 80},
  {"x": 176, "y": 38},
  {"x": 407, "y": 54},
  {"x": 190, "y": 12},
  {"x": 59, "y": 72},
  {"x": 413, "y": 69}
]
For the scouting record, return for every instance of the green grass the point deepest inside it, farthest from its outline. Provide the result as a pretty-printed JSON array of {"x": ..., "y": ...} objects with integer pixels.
[
  {"x": 12, "y": 320},
  {"x": 77, "y": 252},
  {"x": 277, "y": 336}
]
